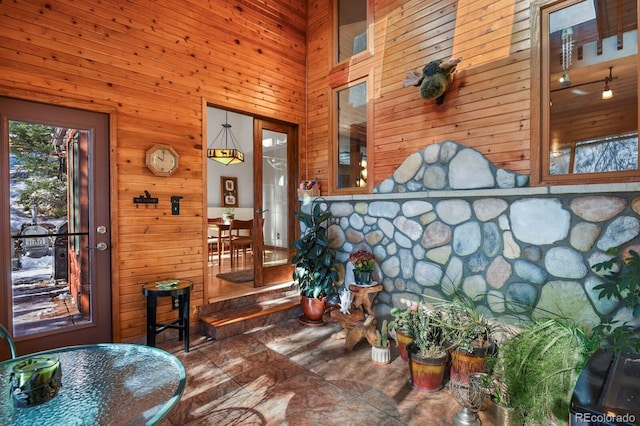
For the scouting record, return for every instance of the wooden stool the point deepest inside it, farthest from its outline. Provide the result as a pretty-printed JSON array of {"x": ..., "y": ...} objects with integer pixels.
[
  {"x": 182, "y": 291},
  {"x": 361, "y": 322}
]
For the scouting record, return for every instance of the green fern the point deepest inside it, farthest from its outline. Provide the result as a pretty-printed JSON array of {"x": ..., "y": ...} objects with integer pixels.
[{"x": 540, "y": 367}]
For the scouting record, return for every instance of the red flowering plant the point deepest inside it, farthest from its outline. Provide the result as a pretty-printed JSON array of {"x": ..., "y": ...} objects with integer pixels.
[{"x": 362, "y": 260}]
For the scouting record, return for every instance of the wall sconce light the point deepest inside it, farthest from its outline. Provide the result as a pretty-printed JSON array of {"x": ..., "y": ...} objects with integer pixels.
[
  {"x": 607, "y": 93},
  {"x": 227, "y": 154}
]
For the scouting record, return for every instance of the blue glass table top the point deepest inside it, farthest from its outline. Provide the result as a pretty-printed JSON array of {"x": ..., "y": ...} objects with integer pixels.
[{"x": 103, "y": 384}]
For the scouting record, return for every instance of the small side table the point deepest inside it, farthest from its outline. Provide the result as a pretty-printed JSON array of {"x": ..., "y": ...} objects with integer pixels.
[
  {"x": 182, "y": 292},
  {"x": 361, "y": 322}
]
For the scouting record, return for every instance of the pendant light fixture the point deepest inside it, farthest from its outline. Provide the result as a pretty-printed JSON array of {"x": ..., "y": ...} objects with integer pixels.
[
  {"x": 227, "y": 154},
  {"x": 567, "y": 49},
  {"x": 607, "y": 93}
]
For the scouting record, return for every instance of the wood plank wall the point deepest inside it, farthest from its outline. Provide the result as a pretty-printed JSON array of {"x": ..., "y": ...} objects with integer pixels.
[
  {"x": 486, "y": 108},
  {"x": 152, "y": 64}
]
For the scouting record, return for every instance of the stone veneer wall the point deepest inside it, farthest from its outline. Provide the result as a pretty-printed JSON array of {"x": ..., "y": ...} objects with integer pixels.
[{"x": 449, "y": 221}]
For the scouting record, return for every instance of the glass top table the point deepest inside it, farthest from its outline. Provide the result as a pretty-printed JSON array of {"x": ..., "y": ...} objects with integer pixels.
[{"x": 117, "y": 384}]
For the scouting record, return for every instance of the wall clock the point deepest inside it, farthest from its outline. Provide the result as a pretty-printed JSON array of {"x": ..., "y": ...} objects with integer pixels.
[{"x": 162, "y": 160}]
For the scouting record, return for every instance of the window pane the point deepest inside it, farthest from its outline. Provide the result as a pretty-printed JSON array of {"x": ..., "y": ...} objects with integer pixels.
[
  {"x": 593, "y": 75},
  {"x": 600, "y": 155},
  {"x": 352, "y": 28},
  {"x": 49, "y": 228},
  {"x": 607, "y": 156},
  {"x": 352, "y": 136}
]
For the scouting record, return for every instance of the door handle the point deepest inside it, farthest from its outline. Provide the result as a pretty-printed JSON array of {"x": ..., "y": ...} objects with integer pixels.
[
  {"x": 261, "y": 211},
  {"x": 100, "y": 246}
]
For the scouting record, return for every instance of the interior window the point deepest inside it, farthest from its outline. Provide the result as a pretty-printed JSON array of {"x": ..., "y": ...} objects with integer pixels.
[
  {"x": 352, "y": 28},
  {"x": 350, "y": 135},
  {"x": 587, "y": 115}
]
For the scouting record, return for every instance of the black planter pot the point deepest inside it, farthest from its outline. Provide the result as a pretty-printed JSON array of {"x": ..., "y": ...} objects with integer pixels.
[{"x": 362, "y": 277}]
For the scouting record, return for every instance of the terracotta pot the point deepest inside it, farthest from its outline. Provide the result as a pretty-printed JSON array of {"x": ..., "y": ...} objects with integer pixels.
[
  {"x": 463, "y": 362},
  {"x": 312, "y": 308},
  {"x": 403, "y": 340},
  {"x": 427, "y": 373}
]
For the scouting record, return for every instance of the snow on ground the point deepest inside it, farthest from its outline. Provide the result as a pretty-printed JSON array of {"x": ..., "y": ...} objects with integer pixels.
[{"x": 33, "y": 269}]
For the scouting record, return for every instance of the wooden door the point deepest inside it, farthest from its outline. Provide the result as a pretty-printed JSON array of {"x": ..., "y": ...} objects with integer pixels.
[
  {"x": 274, "y": 200},
  {"x": 55, "y": 240}
]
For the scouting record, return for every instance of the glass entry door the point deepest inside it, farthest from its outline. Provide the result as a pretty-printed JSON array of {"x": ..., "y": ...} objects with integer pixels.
[
  {"x": 55, "y": 239},
  {"x": 274, "y": 200}
]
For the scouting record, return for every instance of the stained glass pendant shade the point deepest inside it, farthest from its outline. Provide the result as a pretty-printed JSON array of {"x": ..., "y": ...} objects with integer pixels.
[{"x": 230, "y": 153}]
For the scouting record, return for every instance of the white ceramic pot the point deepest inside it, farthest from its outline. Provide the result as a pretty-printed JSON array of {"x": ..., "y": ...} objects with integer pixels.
[{"x": 381, "y": 355}]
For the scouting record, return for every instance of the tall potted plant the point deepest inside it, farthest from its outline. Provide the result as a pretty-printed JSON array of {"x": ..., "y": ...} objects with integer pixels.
[
  {"x": 315, "y": 272},
  {"x": 400, "y": 324},
  {"x": 539, "y": 367},
  {"x": 467, "y": 335},
  {"x": 427, "y": 357}
]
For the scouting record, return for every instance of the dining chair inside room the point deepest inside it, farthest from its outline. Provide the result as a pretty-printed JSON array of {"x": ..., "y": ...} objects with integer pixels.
[
  {"x": 5, "y": 333},
  {"x": 213, "y": 235},
  {"x": 241, "y": 238}
]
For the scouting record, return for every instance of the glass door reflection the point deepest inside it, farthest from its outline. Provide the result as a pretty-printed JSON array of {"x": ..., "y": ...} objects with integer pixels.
[{"x": 273, "y": 204}]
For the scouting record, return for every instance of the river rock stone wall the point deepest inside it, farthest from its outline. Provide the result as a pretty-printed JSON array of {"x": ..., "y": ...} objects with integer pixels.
[{"x": 450, "y": 222}]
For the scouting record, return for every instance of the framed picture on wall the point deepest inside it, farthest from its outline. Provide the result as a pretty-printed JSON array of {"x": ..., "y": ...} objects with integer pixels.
[{"x": 229, "y": 191}]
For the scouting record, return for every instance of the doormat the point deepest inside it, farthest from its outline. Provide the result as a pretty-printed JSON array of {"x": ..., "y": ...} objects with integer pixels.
[{"x": 237, "y": 276}]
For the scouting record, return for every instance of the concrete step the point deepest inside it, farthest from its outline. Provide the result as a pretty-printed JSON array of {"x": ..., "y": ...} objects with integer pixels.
[{"x": 228, "y": 318}]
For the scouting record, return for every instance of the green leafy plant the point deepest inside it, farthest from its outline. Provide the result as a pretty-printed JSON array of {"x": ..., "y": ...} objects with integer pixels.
[
  {"x": 315, "y": 272},
  {"x": 539, "y": 367},
  {"x": 426, "y": 333},
  {"x": 403, "y": 317},
  {"x": 622, "y": 281},
  {"x": 462, "y": 325},
  {"x": 493, "y": 386},
  {"x": 617, "y": 338},
  {"x": 382, "y": 335}
]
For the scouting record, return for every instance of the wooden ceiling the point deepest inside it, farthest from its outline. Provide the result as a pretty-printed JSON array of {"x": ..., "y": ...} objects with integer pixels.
[{"x": 578, "y": 112}]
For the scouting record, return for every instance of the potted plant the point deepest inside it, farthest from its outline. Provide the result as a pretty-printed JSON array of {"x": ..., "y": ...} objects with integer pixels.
[
  {"x": 466, "y": 334},
  {"x": 496, "y": 400},
  {"x": 315, "y": 270},
  {"x": 363, "y": 262},
  {"x": 380, "y": 350},
  {"x": 539, "y": 367},
  {"x": 228, "y": 214},
  {"x": 402, "y": 319},
  {"x": 427, "y": 357}
]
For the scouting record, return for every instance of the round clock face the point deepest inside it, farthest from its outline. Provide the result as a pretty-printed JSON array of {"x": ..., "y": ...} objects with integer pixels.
[{"x": 162, "y": 160}]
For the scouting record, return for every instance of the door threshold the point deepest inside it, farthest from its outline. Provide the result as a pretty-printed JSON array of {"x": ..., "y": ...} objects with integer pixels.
[{"x": 249, "y": 291}]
